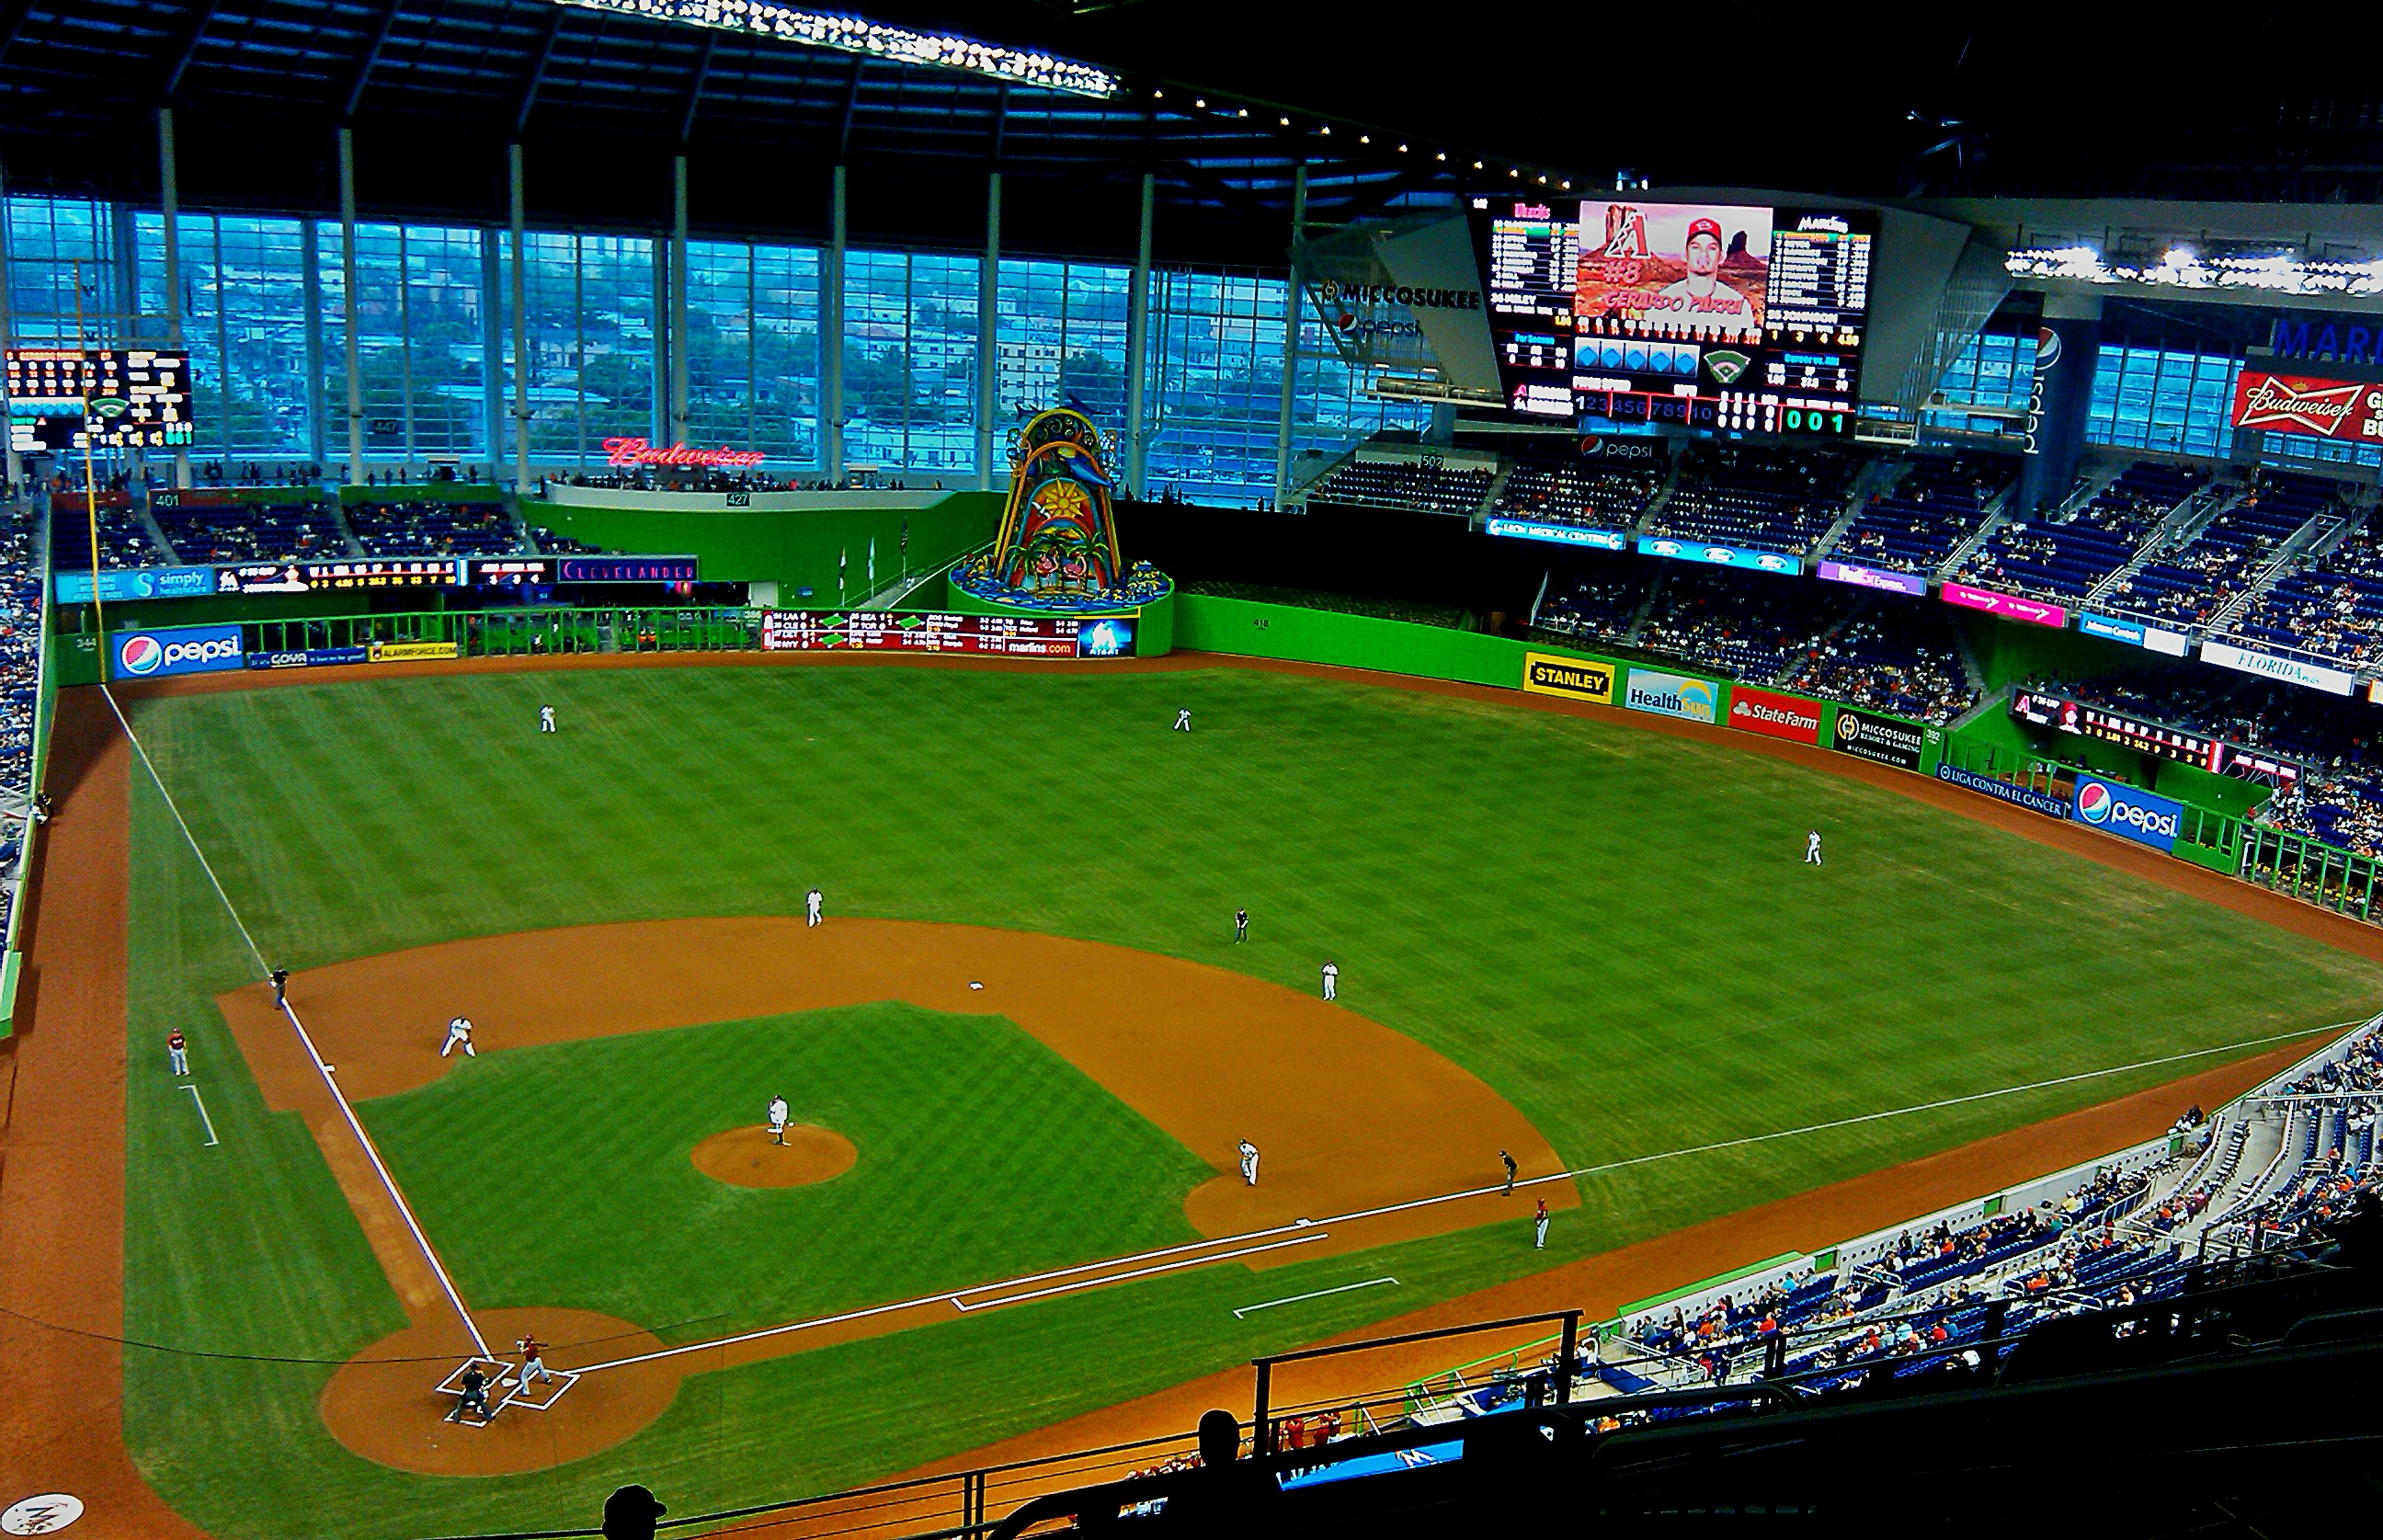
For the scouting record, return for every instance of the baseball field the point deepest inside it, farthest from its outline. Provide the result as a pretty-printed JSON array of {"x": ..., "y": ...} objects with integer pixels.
[{"x": 1025, "y": 1044}]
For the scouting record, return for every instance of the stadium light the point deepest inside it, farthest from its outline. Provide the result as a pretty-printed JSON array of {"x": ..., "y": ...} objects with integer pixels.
[{"x": 853, "y": 34}]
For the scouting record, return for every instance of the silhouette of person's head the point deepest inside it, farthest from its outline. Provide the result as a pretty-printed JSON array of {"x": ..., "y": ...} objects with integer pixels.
[
  {"x": 1221, "y": 1439},
  {"x": 629, "y": 1514}
]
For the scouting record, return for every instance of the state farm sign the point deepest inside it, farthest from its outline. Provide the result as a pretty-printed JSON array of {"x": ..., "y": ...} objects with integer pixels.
[{"x": 2320, "y": 408}]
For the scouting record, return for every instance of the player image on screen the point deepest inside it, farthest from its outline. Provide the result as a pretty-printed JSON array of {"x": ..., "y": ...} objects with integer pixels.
[{"x": 1674, "y": 270}]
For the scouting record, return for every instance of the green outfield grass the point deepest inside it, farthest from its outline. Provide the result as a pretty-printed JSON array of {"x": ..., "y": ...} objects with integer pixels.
[{"x": 1612, "y": 928}]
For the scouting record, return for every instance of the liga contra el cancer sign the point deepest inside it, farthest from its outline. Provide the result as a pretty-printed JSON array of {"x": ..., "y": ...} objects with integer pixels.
[{"x": 2342, "y": 410}]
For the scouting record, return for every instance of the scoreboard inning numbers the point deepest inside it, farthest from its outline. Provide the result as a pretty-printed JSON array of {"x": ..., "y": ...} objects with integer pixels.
[{"x": 66, "y": 399}]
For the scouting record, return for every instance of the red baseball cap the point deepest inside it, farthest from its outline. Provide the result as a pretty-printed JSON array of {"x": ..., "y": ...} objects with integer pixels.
[{"x": 1704, "y": 226}]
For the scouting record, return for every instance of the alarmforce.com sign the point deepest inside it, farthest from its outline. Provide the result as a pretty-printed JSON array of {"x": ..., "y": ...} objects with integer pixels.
[{"x": 1548, "y": 673}]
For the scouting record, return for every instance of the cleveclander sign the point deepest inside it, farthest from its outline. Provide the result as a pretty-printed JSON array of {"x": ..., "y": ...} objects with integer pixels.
[
  {"x": 2319, "y": 408},
  {"x": 622, "y": 452}
]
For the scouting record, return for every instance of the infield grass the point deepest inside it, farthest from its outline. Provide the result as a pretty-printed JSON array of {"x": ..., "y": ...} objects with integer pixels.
[{"x": 1612, "y": 928}]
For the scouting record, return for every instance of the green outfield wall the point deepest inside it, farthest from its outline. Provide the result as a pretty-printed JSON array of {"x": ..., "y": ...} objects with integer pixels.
[{"x": 794, "y": 549}]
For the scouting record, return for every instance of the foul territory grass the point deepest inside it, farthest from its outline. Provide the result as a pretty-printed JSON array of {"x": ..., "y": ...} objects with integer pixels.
[{"x": 1613, "y": 928}]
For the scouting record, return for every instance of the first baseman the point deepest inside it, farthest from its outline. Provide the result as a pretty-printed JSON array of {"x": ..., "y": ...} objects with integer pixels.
[{"x": 459, "y": 1035}]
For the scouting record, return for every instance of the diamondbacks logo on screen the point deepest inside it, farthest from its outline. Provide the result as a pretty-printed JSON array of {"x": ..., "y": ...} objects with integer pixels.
[
  {"x": 191, "y": 650},
  {"x": 2139, "y": 815}
]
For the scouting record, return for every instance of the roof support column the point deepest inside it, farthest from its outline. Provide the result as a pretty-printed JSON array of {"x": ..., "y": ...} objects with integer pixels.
[
  {"x": 988, "y": 335},
  {"x": 1137, "y": 343},
  {"x": 519, "y": 198},
  {"x": 169, "y": 201},
  {"x": 348, "y": 305},
  {"x": 678, "y": 286},
  {"x": 1291, "y": 307},
  {"x": 832, "y": 337}
]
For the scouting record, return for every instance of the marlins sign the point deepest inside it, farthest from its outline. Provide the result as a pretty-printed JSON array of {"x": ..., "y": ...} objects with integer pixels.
[{"x": 2319, "y": 408}]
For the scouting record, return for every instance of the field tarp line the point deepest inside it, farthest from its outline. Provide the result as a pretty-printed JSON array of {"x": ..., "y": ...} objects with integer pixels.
[{"x": 323, "y": 1071}]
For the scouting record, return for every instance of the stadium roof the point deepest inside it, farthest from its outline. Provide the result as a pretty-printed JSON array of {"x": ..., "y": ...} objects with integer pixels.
[{"x": 602, "y": 100}]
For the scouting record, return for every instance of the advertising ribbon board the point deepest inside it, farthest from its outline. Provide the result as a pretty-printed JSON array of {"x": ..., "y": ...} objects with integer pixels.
[
  {"x": 183, "y": 650},
  {"x": 1874, "y": 577},
  {"x": 2003, "y": 791},
  {"x": 1560, "y": 535},
  {"x": 2009, "y": 607},
  {"x": 2340, "y": 410},
  {"x": 411, "y": 652},
  {"x": 1721, "y": 556},
  {"x": 2111, "y": 628},
  {"x": 1882, "y": 740},
  {"x": 1574, "y": 678},
  {"x": 1774, "y": 715},
  {"x": 2114, "y": 808},
  {"x": 309, "y": 657},
  {"x": 1670, "y": 695},
  {"x": 2290, "y": 671},
  {"x": 127, "y": 585}
]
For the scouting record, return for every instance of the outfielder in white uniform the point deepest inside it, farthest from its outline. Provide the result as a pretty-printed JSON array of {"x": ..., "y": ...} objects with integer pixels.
[
  {"x": 811, "y": 902},
  {"x": 777, "y": 1119},
  {"x": 1812, "y": 847},
  {"x": 459, "y": 1035},
  {"x": 1331, "y": 980},
  {"x": 1183, "y": 720},
  {"x": 1249, "y": 1162},
  {"x": 546, "y": 719}
]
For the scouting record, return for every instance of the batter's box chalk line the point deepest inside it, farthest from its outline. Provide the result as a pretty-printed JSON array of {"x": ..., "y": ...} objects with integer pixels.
[{"x": 563, "y": 1380}]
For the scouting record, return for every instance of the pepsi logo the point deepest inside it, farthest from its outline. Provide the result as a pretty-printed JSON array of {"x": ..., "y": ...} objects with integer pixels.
[
  {"x": 140, "y": 655},
  {"x": 2093, "y": 802}
]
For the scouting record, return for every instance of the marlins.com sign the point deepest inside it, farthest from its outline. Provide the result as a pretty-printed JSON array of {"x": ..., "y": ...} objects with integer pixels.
[{"x": 1547, "y": 674}]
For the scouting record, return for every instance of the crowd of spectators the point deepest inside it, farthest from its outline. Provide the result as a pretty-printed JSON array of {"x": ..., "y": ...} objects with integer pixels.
[
  {"x": 1915, "y": 525},
  {"x": 398, "y": 529},
  {"x": 1902, "y": 658},
  {"x": 2069, "y": 559},
  {"x": 21, "y": 678},
  {"x": 2333, "y": 607},
  {"x": 1576, "y": 491},
  {"x": 1596, "y": 603},
  {"x": 1748, "y": 628},
  {"x": 252, "y": 531},
  {"x": 1426, "y": 486},
  {"x": 548, "y": 543},
  {"x": 2193, "y": 584},
  {"x": 1760, "y": 498},
  {"x": 124, "y": 539}
]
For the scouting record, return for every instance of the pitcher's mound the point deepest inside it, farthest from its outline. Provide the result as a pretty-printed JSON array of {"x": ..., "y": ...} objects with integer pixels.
[{"x": 748, "y": 1157}]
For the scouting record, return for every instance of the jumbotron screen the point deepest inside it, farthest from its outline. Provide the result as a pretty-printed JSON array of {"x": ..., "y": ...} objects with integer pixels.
[
  {"x": 139, "y": 398},
  {"x": 1708, "y": 315}
]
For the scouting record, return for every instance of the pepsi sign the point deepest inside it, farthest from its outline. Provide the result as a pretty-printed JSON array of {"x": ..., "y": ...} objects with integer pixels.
[
  {"x": 184, "y": 649},
  {"x": 2117, "y": 808}
]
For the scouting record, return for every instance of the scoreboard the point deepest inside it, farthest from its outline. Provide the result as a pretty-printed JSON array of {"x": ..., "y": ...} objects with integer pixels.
[
  {"x": 63, "y": 399},
  {"x": 1715, "y": 317},
  {"x": 995, "y": 635}
]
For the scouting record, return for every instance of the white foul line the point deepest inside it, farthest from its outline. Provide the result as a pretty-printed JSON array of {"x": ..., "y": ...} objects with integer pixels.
[
  {"x": 405, "y": 1210},
  {"x": 1137, "y": 1272},
  {"x": 1270, "y": 1304},
  {"x": 1499, "y": 1187},
  {"x": 210, "y": 1122}
]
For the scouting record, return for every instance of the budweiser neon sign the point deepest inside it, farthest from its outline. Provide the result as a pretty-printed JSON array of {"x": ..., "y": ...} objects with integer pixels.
[
  {"x": 626, "y": 452},
  {"x": 2319, "y": 408}
]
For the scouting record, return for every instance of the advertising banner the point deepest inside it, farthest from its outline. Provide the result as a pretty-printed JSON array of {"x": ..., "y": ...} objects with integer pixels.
[
  {"x": 1884, "y": 740},
  {"x": 1574, "y": 678},
  {"x": 1670, "y": 695},
  {"x": 310, "y": 657},
  {"x": 139, "y": 583},
  {"x": 2136, "y": 634},
  {"x": 2009, "y": 607},
  {"x": 184, "y": 649},
  {"x": 1561, "y": 535},
  {"x": 1000, "y": 635},
  {"x": 2290, "y": 671},
  {"x": 1721, "y": 556},
  {"x": 2003, "y": 791},
  {"x": 1774, "y": 715},
  {"x": 2114, "y": 808},
  {"x": 411, "y": 652},
  {"x": 2342, "y": 409},
  {"x": 1873, "y": 577}
]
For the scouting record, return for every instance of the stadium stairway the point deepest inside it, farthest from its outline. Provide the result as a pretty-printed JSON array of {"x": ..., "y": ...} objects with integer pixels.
[
  {"x": 2307, "y": 546},
  {"x": 1506, "y": 463},
  {"x": 1786, "y": 671},
  {"x": 1875, "y": 478},
  {"x": 155, "y": 531},
  {"x": 1655, "y": 506},
  {"x": 2173, "y": 532},
  {"x": 1654, "y": 593},
  {"x": 1998, "y": 513}
]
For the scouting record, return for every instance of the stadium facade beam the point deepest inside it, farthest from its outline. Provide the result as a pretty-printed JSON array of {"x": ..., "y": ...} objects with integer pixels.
[
  {"x": 185, "y": 47},
  {"x": 365, "y": 66},
  {"x": 169, "y": 235},
  {"x": 355, "y": 391},
  {"x": 695, "y": 88},
  {"x": 678, "y": 300},
  {"x": 537, "y": 69},
  {"x": 1290, "y": 302},
  {"x": 1137, "y": 341},
  {"x": 832, "y": 333},
  {"x": 987, "y": 330},
  {"x": 517, "y": 196},
  {"x": 15, "y": 463},
  {"x": 310, "y": 249}
]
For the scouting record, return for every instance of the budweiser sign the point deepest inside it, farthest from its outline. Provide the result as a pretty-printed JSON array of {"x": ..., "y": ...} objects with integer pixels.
[
  {"x": 626, "y": 452},
  {"x": 2321, "y": 408}
]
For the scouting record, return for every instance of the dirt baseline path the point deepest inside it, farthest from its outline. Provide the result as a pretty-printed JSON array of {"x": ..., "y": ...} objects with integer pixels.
[{"x": 1348, "y": 1115}]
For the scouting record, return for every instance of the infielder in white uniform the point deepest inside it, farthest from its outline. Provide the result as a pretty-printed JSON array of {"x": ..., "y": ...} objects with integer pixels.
[
  {"x": 1812, "y": 847},
  {"x": 459, "y": 1035},
  {"x": 1331, "y": 980},
  {"x": 777, "y": 1120},
  {"x": 1249, "y": 1162},
  {"x": 1183, "y": 720},
  {"x": 546, "y": 719},
  {"x": 811, "y": 902}
]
